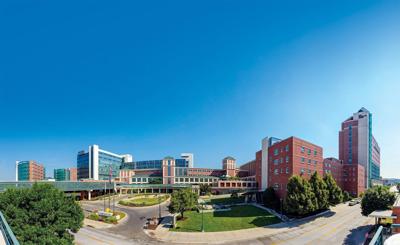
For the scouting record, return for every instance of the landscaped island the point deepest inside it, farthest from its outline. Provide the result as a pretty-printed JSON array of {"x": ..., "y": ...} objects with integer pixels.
[
  {"x": 144, "y": 200},
  {"x": 239, "y": 217}
]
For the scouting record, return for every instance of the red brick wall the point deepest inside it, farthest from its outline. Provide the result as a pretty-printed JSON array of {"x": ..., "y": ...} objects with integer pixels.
[
  {"x": 285, "y": 160},
  {"x": 73, "y": 175},
  {"x": 335, "y": 167},
  {"x": 353, "y": 179}
]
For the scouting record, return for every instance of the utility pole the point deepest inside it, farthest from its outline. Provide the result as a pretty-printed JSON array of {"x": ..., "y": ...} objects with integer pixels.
[{"x": 104, "y": 197}]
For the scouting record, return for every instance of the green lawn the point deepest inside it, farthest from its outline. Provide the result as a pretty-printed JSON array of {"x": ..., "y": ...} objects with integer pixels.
[
  {"x": 143, "y": 201},
  {"x": 239, "y": 217},
  {"x": 225, "y": 200}
]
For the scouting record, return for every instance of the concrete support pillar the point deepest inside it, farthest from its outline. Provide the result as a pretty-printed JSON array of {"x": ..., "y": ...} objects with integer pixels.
[{"x": 89, "y": 195}]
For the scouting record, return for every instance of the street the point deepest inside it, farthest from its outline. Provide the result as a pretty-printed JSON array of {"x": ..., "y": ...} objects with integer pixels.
[
  {"x": 346, "y": 226},
  {"x": 342, "y": 225}
]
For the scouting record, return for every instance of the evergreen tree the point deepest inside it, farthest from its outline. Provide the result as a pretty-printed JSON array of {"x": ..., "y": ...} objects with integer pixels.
[
  {"x": 335, "y": 193},
  {"x": 182, "y": 200},
  {"x": 41, "y": 214},
  {"x": 270, "y": 198},
  {"x": 300, "y": 198},
  {"x": 377, "y": 198},
  {"x": 320, "y": 191},
  {"x": 346, "y": 196}
]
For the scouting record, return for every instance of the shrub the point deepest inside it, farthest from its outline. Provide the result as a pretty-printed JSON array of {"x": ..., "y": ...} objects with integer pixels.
[
  {"x": 377, "y": 198},
  {"x": 235, "y": 194},
  {"x": 94, "y": 216}
]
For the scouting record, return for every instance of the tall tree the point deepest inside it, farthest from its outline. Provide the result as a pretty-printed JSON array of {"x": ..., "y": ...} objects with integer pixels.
[
  {"x": 320, "y": 190},
  {"x": 41, "y": 214},
  {"x": 335, "y": 193},
  {"x": 270, "y": 198},
  {"x": 377, "y": 198},
  {"x": 205, "y": 189},
  {"x": 300, "y": 198},
  {"x": 182, "y": 200}
]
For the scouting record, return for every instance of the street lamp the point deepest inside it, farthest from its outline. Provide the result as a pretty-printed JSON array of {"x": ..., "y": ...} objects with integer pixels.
[
  {"x": 159, "y": 206},
  {"x": 201, "y": 202}
]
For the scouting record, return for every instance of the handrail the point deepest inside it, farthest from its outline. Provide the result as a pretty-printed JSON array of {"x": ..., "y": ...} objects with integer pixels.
[
  {"x": 9, "y": 236},
  {"x": 377, "y": 239}
]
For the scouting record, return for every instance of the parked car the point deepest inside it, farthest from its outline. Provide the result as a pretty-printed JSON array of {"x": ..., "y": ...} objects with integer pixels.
[{"x": 353, "y": 202}]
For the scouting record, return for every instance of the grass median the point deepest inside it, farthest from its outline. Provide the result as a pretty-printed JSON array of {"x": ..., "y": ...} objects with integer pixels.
[{"x": 144, "y": 201}]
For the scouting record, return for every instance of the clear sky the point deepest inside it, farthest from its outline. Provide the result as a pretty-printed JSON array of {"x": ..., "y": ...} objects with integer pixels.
[{"x": 159, "y": 78}]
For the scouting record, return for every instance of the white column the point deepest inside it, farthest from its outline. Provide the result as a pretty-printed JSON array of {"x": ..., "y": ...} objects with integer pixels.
[
  {"x": 264, "y": 163},
  {"x": 16, "y": 170}
]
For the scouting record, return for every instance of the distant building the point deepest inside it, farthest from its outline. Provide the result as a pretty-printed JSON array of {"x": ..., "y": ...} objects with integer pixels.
[
  {"x": 229, "y": 165},
  {"x": 189, "y": 157},
  {"x": 98, "y": 164},
  {"x": 29, "y": 171},
  {"x": 334, "y": 167},
  {"x": 65, "y": 174},
  {"x": 357, "y": 145}
]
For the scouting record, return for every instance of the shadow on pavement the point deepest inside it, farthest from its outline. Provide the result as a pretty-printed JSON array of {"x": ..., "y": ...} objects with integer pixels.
[{"x": 357, "y": 235}]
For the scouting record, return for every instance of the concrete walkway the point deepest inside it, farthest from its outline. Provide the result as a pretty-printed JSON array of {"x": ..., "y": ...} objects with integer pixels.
[{"x": 163, "y": 234}]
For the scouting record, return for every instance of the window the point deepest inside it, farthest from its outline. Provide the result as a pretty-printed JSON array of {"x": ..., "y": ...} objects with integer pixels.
[
  {"x": 302, "y": 149},
  {"x": 302, "y": 171},
  {"x": 309, "y": 171},
  {"x": 276, "y": 161},
  {"x": 287, "y": 148},
  {"x": 276, "y": 171},
  {"x": 276, "y": 186},
  {"x": 276, "y": 152},
  {"x": 281, "y": 170},
  {"x": 281, "y": 159},
  {"x": 303, "y": 159},
  {"x": 287, "y": 170},
  {"x": 287, "y": 159},
  {"x": 315, "y": 152},
  {"x": 309, "y": 161},
  {"x": 308, "y": 151}
]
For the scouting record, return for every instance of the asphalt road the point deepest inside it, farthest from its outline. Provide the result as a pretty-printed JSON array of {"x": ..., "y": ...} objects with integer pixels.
[
  {"x": 130, "y": 230},
  {"x": 345, "y": 225}
]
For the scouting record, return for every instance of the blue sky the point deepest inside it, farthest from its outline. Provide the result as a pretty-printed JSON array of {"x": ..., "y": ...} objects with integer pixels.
[{"x": 211, "y": 77}]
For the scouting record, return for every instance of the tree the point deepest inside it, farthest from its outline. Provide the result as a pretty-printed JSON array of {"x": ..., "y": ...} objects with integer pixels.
[
  {"x": 300, "y": 198},
  {"x": 346, "y": 196},
  {"x": 377, "y": 198},
  {"x": 398, "y": 187},
  {"x": 335, "y": 193},
  {"x": 321, "y": 193},
  {"x": 182, "y": 200},
  {"x": 205, "y": 189},
  {"x": 41, "y": 214},
  {"x": 235, "y": 194},
  {"x": 270, "y": 198}
]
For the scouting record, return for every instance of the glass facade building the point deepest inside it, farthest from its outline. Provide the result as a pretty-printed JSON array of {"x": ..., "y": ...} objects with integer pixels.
[
  {"x": 29, "y": 171},
  {"x": 23, "y": 171},
  {"x": 152, "y": 164},
  {"x": 98, "y": 164},
  {"x": 62, "y": 174}
]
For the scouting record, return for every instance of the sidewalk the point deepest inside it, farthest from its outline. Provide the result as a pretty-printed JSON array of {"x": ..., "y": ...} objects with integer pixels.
[{"x": 163, "y": 234}]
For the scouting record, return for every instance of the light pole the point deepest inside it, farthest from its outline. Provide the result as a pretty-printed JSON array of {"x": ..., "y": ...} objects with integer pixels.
[
  {"x": 200, "y": 201},
  {"x": 159, "y": 207},
  {"x": 104, "y": 197},
  {"x": 281, "y": 207}
]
